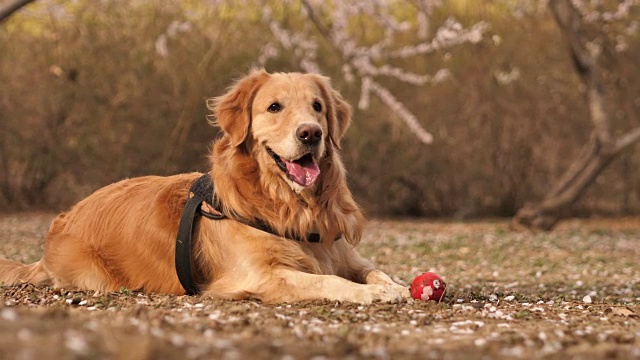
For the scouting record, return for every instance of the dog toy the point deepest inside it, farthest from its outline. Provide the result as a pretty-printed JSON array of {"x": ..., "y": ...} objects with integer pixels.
[{"x": 428, "y": 286}]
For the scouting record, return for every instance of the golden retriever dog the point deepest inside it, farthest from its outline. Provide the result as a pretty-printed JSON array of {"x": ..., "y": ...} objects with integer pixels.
[{"x": 278, "y": 164}]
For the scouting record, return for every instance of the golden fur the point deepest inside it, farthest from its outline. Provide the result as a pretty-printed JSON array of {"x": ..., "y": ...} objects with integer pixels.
[{"x": 123, "y": 235}]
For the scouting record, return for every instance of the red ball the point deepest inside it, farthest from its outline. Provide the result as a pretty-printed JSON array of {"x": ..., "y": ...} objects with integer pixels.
[{"x": 428, "y": 286}]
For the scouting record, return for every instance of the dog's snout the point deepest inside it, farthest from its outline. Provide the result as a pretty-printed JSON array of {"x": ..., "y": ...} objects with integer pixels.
[{"x": 309, "y": 134}]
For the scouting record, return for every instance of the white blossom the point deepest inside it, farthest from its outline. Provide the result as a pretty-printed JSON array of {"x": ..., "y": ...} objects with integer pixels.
[
  {"x": 371, "y": 61},
  {"x": 173, "y": 30},
  {"x": 591, "y": 13}
]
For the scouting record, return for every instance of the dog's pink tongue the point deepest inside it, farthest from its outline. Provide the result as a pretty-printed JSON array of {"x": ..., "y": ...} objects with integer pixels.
[{"x": 303, "y": 173}]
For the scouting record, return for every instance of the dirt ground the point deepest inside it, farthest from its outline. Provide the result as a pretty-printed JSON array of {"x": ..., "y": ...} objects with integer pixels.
[{"x": 570, "y": 294}]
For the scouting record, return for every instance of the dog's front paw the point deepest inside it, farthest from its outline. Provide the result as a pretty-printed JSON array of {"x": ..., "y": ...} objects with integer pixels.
[
  {"x": 403, "y": 291},
  {"x": 377, "y": 278},
  {"x": 384, "y": 293}
]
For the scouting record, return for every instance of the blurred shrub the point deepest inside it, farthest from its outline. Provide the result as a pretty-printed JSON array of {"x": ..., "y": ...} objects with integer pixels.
[{"x": 95, "y": 91}]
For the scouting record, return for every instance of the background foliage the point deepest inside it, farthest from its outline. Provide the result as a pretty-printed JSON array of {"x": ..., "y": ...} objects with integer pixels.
[{"x": 95, "y": 91}]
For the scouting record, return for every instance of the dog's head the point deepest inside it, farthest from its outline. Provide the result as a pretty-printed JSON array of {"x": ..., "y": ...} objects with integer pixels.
[{"x": 290, "y": 122}]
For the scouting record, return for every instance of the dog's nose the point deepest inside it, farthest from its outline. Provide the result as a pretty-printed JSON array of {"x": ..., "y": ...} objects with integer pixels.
[{"x": 309, "y": 134}]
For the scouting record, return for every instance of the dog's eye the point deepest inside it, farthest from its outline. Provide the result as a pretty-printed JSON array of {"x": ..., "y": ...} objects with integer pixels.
[
  {"x": 274, "y": 108},
  {"x": 317, "y": 106}
]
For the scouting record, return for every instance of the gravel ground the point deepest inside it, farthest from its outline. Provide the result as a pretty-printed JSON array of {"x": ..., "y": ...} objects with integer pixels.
[{"x": 570, "y": 294}]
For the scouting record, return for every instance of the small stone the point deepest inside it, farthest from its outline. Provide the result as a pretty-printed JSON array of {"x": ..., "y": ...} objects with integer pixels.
[
  {"x": 9, "y": 315},
  {"x": 480, "y": 342}
]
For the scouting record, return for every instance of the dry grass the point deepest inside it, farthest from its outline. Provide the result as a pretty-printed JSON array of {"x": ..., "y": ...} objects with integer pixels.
[{"x": 573, "y": 293}]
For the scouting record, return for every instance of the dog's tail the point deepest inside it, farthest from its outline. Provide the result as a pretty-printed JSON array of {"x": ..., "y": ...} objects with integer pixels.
[{"x": 12, "y": 273}]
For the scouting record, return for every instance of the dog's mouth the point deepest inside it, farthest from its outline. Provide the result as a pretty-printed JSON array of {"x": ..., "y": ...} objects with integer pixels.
[{"x": 303, "y": 171}]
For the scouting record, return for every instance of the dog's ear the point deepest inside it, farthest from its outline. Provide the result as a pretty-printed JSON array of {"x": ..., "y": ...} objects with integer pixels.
[
  {"x": 338, "y": 110},
  {"x": 233, "y": 109}
]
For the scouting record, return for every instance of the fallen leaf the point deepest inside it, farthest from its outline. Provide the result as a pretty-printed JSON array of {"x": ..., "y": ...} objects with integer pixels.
[{"x": 623, "y": 311}]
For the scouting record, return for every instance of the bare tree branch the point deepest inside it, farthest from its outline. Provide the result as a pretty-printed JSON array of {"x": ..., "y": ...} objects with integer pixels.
[
  {"x": 11, "y": 6},
  {"x": 585, "y": 61},
  {"x": 324, "y": 31},
  {"x": 628, "y": 139}
]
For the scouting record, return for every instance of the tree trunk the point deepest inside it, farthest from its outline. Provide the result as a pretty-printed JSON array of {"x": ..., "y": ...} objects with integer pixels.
[
  {"x": 546, "y": 214},
  {"x": 600, "y": 150}
]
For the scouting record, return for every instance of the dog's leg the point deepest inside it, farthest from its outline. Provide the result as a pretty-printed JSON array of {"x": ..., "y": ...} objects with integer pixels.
[
  {"x": 12, "y": 273},
  {"x": 292, "y": 285},
  {"x": 73, "y": 264},
  {"x": 363, "y": 271}
]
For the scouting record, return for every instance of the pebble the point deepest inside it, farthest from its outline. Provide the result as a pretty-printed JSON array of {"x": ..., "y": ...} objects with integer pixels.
[
  {"x": 9, "y": 315},
  {"x": 480, "y": 342}
]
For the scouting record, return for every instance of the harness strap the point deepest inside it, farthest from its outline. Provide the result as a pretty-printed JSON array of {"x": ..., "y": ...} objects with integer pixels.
[{"x": 183, "y": 245}]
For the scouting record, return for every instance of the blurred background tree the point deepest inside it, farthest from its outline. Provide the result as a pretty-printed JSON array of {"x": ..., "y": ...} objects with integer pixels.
[
  {"x": 92, "y": 92},
  {"x": 596, "y": 35}
]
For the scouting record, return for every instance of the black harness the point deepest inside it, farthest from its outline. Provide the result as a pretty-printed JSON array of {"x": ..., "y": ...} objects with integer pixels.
[{"x": 202, "y": 190}]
